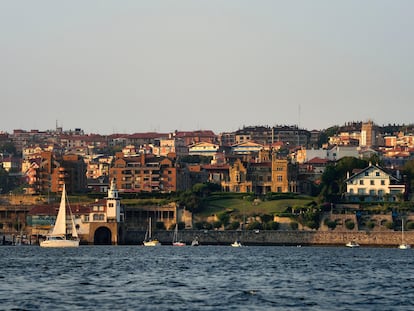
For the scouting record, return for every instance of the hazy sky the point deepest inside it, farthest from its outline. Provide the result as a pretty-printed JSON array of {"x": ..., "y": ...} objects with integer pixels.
[{"x": 137, "y": 66}]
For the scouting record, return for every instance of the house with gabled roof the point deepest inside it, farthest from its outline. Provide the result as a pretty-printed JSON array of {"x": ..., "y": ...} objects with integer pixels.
[{"x": 373, "y": 184}]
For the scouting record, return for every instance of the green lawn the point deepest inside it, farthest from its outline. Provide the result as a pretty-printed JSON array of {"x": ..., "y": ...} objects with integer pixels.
[{"x": 248, "y": 208}]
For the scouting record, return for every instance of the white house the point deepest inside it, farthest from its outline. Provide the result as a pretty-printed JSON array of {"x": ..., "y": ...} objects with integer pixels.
[
  {"x": 203, "y": 149},
  {"x": 373, "y": 184}
]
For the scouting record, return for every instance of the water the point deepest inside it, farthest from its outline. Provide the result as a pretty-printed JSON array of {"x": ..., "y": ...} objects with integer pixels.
[{"x": 206, "y": 278}]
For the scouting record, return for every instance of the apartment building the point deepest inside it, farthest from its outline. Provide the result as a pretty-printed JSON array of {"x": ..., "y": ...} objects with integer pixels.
[{"x": 144, "y": 173}]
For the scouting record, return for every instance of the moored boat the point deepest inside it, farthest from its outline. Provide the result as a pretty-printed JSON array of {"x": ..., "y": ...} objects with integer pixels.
[
  {"x": 149, "y": 241},
  {"x": 403, "y": 245},
  {"x": 352, "y": 244},
  {"x": 176, "y": 241},
  {"x": 236, "y": 243},
  {"x": 64, "y": 232},
  {"x": 195, "y": 242}
]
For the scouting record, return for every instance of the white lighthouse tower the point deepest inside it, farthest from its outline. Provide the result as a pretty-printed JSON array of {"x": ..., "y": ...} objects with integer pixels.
[{"x": 113, "y": 205}]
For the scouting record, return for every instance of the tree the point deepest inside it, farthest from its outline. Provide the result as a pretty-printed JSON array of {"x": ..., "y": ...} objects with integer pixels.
[
  {"x": 408, "y": 173},
  {"x": 333, "y": 178},
  {"x": 224, "y": 218},
  {"x": 190, "y": 200},
  {"x": 8, "y": 147}
]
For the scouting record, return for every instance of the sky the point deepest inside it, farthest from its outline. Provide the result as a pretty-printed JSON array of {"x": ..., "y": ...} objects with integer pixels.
[{"x": 138, "y": 66}]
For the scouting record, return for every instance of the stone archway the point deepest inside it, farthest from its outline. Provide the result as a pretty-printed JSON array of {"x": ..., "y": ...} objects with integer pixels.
[{"x": 102, "y": 236}]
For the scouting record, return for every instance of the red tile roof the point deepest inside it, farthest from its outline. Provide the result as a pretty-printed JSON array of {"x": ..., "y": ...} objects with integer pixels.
[{"x": 317, "y": 160}]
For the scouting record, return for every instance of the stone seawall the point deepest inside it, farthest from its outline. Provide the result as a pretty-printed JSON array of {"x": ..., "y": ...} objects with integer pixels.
[{"x": 389, "y": 238}]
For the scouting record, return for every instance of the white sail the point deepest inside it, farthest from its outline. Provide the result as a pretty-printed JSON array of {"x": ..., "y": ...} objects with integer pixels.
[
  {"x": 73, "y": 231},
  {"x": 59, "y": 235},
  {"x": 60, "y": 224}
]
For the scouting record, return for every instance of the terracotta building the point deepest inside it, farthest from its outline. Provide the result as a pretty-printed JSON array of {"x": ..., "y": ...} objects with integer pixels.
[
  {"x": 52, "y": 171},
  {"x": 144, "y": 173}
]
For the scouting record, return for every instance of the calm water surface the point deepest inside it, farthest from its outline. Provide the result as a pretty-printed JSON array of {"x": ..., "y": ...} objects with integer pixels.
[{"x": 206, "y": 278}]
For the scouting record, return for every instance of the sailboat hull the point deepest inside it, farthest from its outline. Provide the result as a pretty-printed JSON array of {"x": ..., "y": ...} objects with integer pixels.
[
  {"x": 404, "y": 246},
  {"x": 60, "y": 243},
  {"x": 152, "y": 243}
]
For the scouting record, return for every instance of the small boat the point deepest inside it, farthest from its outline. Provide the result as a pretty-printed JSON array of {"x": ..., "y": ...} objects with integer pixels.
[
  {"x": 403, "y": 245},
  {"x": 64, "y": 232},
  {"x": 176, "y": 241},
  {"x": 149, "y": 241},
  {"x": 195, "y": 242},
  {"x": 236, "y": 243},
  {"x": 352, "y": 244}
]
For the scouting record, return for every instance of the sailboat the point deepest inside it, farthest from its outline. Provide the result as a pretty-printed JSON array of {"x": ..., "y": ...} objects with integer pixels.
[
  {"x": 403, "y": 245},
  {"x": 195, "y": 242},
  {"x": 64, "y": 232},
  {"x": 149, "y": 241},
  {"x": 237, "y": 242},
  {"x": 176, "y": 241}
]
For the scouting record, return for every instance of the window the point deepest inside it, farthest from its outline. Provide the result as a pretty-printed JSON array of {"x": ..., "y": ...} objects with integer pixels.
[
  {"x": 361, "y": 182},
  {"x": 366, "y": 174},
  {"x": 372, "y": 192},
  {"x": 372, "y": 182},
  {"x": 111, "y": 205},
  {"x": 98, "y": 217},
  {"x": 279, "y": 178},
  {"x": 383, "y": 182},
  {"x": 377, "y": 174},
  {"x": 361, "y": 191}
]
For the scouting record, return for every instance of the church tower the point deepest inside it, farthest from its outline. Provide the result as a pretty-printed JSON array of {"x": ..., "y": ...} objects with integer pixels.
[{"x": 113, "y": 204}]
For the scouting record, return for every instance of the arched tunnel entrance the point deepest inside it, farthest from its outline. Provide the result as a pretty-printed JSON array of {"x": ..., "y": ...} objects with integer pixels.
[{"x": 102, "y": 236}]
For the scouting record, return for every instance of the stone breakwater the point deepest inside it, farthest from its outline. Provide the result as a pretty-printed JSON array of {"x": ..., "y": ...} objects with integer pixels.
[{"x": 212, "y": 237}]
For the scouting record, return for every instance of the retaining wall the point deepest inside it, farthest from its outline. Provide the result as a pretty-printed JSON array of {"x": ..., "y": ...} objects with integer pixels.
[{"x": 390, "y": 238}]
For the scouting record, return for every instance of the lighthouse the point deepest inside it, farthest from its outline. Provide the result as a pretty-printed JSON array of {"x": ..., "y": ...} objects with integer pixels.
[{"x": 113, "y": 204}]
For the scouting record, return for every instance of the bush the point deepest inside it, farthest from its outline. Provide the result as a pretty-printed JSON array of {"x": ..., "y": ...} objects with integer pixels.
[
  {"x": 311, "y": 224},
  {"x": 409, "y": 225},
  {"x": 203, "y": 225},
  {"x": 224, "y": 218},
  {"x": 217, "y": 224},
  {"x": 266, "y": 218},
  {"x": 234, "y": 225},
  {"x": 331, "y": 224},
  {"x": 389, "y": 225},
  {"x": 294, "y": 225},
  {"x": 254, "y": 225},
  {"x": 349, "y": 224},
  {"x": 370, "y": 224},
  {"x": 271, "y": 225}
]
